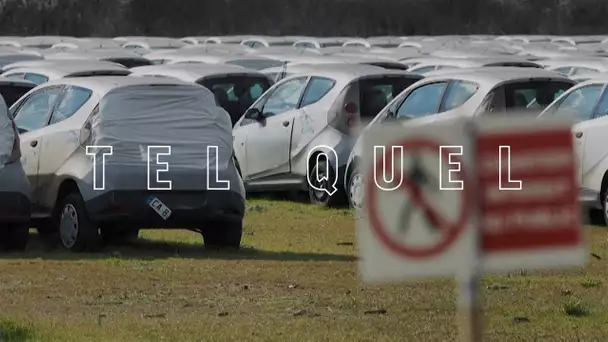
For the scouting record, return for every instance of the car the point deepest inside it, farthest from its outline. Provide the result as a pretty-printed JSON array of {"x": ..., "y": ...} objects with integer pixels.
[
  {"x": 15, "y": 194},
  {"x": 468, "y": 92},
  {"x": 587, "y": 105},
  {"x": 85, "y": 197},
  {"x": 74, "y": 68},
  {"x": 235, "y": 88},
  {"x": 123, "y": 57},
  {"x": 575, "y": 65},
  {"x": 279, "y": 137},
  {"x": 424, "y": 65},
  {"x": 261, "y": 42}
]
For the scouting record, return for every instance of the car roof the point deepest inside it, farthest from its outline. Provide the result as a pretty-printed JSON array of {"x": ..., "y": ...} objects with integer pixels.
[
  {"x": 348, "y": 72},
  {"x": 104, "y": 84},
  {"x": 487, "y": 75},
  {"x": 62, "y": 69},
  {"x": 193, "y": 72}
]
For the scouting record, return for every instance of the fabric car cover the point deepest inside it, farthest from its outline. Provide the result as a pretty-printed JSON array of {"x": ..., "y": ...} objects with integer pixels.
[
  {"x": 183, "y": 117},
  {"x": 7, "y": 134}
]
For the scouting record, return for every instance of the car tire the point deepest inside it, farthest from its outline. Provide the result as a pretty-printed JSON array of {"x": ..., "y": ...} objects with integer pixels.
[
  {"x": 322, "y": 198},
  {"x": 597, "y": 217},
  {"x": 14, "y": 237},
  {"x": 222, "y": 234},
  {"x": 76, "y": 231},
  {"x": 119, "y": 236},
  {"x": 355, "y": 191}
]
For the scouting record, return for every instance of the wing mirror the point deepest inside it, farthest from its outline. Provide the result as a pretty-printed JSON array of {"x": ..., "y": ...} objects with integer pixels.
[{"x": 254, "y": 114}]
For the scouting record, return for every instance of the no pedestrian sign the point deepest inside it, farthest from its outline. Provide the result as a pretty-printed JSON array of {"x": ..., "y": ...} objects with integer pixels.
[{"x": 514, "y": 206}]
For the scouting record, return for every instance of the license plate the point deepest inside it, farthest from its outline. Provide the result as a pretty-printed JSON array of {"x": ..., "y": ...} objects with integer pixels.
[{"x": 161, "y": 209}]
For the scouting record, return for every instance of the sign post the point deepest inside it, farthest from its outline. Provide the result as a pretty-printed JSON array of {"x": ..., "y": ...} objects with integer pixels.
[{"x": 463, "y": 197}]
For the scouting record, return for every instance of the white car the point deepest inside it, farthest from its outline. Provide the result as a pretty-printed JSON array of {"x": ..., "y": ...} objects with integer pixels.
[
  {"x": 587, "y": 104},
  {"x": 277, "y": 141},
  {"x": 494, "y": 90}
]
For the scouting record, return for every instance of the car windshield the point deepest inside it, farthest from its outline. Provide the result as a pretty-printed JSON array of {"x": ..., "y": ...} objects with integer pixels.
[
  {"x": 237, "y": 93},
  {"x": 376, "y": 93},
  {"x": 534, "y": 95}
]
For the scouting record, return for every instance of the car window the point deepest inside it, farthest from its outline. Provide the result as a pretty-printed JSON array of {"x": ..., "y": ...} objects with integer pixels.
[
  {"x": 376, "y": 92},
  {"x": 580, "y": 103},
  {"x": 422, "y": 101},
  {"x": 256, "y": 64},
  {"x": 12, "y": 93},
  {"x": 457, "y": 93},
  {"x": 236, "y": 93},
  {"x": 285, "y": 97},
  {"x": 73, "y": 99},
  {"x": 580, "y": 70},
  {"x": 533, "y": 95},
  {"x": 563, "y": 70},
  {"x": 257, "y": 45},
  {"x": 602, "y": 107},
  {"x": 33, "y": 114},
  {"x": 36, "y": 78},
  {"x": 316, "y": 89},
  {"x": 423, "y": 70}
]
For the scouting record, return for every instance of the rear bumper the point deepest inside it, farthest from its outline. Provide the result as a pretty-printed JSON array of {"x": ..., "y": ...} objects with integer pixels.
[
  {"x": 189, "y": 209},
  {"x": 15, "y": 207}
]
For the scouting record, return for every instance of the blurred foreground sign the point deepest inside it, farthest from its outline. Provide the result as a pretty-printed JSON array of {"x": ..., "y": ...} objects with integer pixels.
[{"x": 441, "y": 198}]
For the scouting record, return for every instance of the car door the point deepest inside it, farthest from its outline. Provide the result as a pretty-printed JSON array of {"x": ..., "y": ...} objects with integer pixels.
[
  {"x": 590, "y": 135},
  {"x": 422, "y": 101},
  {"x": 580, "y": 105},
  {"x": 31, "y": 116},
  {"x": 61, "y": 138},
  {"x": 267, "y": 142}
]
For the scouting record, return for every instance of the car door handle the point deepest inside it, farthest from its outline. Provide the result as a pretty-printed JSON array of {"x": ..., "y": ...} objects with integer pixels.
[
  {"x": 285, "y": 123},
  {"x": 578, "y": 134},
  {"x": 34, "y": 143}
]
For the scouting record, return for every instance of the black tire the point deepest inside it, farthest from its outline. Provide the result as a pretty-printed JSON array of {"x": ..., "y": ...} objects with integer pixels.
[
  {"x": 322, "y": 198},
  {"x": 119, "y": 236},
  {"x": 85, "y": 235},
  {"x": 14, "y": 237},
  {"x": 355, "y": 185},
  {"x": 597, "y": 217},
  {"x": 222, "y": 234}
]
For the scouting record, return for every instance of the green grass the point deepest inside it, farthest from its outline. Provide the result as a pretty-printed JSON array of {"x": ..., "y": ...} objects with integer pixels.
[{"x": 296, "y": 279}]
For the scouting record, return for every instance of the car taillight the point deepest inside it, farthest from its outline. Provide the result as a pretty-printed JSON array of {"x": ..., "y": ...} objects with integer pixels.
[
  {"x": 16, "y": 152},
  {"x": 343, "y": 115}
]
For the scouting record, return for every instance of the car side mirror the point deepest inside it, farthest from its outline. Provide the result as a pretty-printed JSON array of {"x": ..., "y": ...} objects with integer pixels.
[{"x": 254, "y": 114}]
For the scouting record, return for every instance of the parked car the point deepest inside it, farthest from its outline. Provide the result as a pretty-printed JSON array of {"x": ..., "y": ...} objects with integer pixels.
[
  {"x": 235, "y": 88},
  {"x": 60, "y": 121},
  {"x": 122, "y": 57},
  {"x": 488, "y": 90},
  {"x": 277, "y": 139},
  {"x": 587, "y": 105},
  {"x": 45, "y": 73},
  {"x": 15, "y": 196}
]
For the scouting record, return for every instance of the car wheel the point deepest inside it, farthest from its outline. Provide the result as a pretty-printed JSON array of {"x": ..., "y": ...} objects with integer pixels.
[
  {"x": 219, "y": 234},
  {"x": 119, "y": 236},
  {"x": 76, "y": 232},
  {"x": 14, "y": 237},
  {"x": 320, "y": 197},
  {"x": 356, "y": 188}
]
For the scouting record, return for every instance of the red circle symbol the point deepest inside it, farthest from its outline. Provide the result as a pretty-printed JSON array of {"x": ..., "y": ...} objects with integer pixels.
[{"x": 450, "y": 231}]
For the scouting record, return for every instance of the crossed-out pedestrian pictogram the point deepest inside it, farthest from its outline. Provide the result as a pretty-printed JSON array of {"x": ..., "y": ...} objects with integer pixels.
[{"x": 413, "y": 183}]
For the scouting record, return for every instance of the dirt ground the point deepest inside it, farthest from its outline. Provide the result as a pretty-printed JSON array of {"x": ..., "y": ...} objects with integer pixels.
[{"x": 296, "y": 280}]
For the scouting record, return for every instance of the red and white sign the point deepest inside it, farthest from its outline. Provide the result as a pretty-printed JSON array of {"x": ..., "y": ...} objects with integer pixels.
[
  {"x": 411, "y": 228},
  {"x": 528, "y": 194}
]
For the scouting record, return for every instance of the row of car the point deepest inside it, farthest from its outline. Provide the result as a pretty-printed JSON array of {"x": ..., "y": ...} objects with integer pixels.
[{"x": 230, "y": 118}]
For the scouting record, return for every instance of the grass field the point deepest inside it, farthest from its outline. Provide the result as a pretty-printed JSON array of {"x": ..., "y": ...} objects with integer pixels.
[{"x": 295, "y": 280}]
